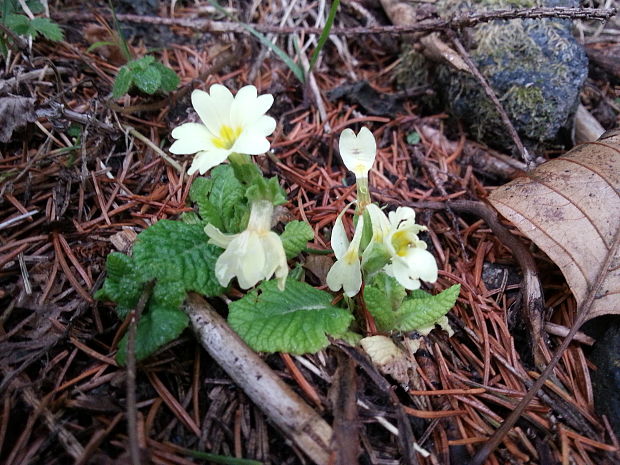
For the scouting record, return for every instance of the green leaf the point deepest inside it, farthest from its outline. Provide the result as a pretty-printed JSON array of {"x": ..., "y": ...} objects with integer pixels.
[
  {"x": 122, "y": 284},
  {"x": 221, "y": 200},
  {"x": 179, "y": 259},
  {"x": 172, "y": 251},
  {"x": 122, "y": 83},
  {"x": 169, "y": 79},
  {"x": 383, "y": 298},
  {"x": 19, "y": 24},
  {"x": 324, "y": 34},
  {"x": 266, "y": 189},
  {"x": 155, "y": 329},
  {"x": 420, "y": 310},
  {"x": 295, "y": 237},
  {"x": 141, "y": 63},
  {"x": 147, "y": 80},
  {"x": 101, "y": 43},
  {"x": 295, "y": 320},
  {"x": 47, "y": 29}
]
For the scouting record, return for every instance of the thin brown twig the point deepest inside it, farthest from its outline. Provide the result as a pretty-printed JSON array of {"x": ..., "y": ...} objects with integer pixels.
[
  {"x": 455, "y": 23},
  {"x": 132, "y": 409}
]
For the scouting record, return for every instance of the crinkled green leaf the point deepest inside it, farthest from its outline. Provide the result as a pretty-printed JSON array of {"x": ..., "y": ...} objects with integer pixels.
[
  {"x": 295, "y": 237},
  {"x": 245, "y": 171},
  {"x": 383, "y": 298},
  {"x": 169, "y": 79},
  {"x": 141, "y": 63},
  {"x": 19, "y": 24},
  {"x": 191, "y": 218},
  {"x": 221, "y": 200},
  {"x": 295, "y": 320},
  {"x": 156, "y": 328},
  {"x": 266, "y": 189},
  {"x": 147, "y": 80},
  {"x": 180, "y": 253},
  {"x": 122, "y": 83},
  {"x": 47, "y": 28},
  {"x": 420, "y": 311},
  {"x": 179, "y": 259},
  {"x": 122, "y": 284}
]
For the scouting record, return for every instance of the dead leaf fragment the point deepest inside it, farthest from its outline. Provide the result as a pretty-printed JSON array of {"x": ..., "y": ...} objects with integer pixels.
[
  {"x": 392, "y": 360},
  {"x": 570, "y": 208},
  {"x": 15, "y": 112}
]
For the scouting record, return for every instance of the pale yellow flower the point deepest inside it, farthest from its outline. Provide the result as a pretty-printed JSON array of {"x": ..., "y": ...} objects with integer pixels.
[
  {"x": 358, "y": 151},
  {"x": 253, "y": 255},
  {"x": 346, "y": 273},
  {"x": 410, "y": 262},
  {"x": 228, "y": 125}
]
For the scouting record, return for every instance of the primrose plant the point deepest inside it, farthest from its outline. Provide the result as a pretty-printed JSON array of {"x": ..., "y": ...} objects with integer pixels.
[{"x": 229, "y": 238}]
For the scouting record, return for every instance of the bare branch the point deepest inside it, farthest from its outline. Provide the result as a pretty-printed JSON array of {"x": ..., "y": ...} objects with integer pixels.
[{"x": 435, "y": 24}]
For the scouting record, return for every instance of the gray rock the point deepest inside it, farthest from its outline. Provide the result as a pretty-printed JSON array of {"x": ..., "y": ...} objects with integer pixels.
[{"x": 535, "y": 66}]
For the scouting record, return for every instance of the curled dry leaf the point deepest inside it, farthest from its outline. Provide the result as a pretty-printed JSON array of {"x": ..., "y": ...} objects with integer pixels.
[
  {"x": 15, "y": 112},
  {"x": 393, "y": 360},
  {"x": 570, "y": 208}
]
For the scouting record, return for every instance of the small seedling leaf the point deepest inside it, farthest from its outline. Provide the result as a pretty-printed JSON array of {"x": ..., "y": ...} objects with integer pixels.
[
  {"x": 122, "y": 83},
  {"x": 147, "y": 79}
]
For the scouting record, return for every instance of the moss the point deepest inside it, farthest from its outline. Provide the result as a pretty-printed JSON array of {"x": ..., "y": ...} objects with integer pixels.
[{"x": 535, "y": 67}]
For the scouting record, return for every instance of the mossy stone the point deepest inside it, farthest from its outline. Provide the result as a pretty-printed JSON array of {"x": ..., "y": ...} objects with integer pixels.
[{"x": 535, "y": 66}]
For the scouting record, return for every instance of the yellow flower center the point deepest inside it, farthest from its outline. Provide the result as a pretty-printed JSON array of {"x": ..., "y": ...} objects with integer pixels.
[
  {"x": 401, "y": 242},
  {"x": 227, "y": 137}
]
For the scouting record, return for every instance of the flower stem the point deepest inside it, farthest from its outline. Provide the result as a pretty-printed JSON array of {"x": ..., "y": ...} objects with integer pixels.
[{"x": 363, "y": 195}]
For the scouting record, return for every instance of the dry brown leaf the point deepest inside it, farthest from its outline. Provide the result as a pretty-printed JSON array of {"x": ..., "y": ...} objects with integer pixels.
[{"x": 570, "y": 208}]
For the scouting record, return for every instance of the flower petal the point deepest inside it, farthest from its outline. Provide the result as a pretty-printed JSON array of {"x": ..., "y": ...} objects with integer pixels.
[
  {"x": 406, "y": 214},
  {"x": 250, "y": 143},
  {"x": 400, "y": 270},
  {"x": 347, "y": 276},
  {"x": 214, "y": 107},
  {"x": 275, "y": 258},
  {"x": 248, "y": 107},
  {"x": 358, "y": 152},
  {"x": 380, "y": 222},
  {"x": 217, "y": 237},
  {"x": 205, "y": 160},
  {"x": 192, "y": 138},
  {"x": 339, "y": 239},
  {"x": 251, "y": 266},
  {"x": 422, "y": 264}
]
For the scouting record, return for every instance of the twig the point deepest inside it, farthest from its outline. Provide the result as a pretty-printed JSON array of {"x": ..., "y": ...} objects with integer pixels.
[
  {"x": 457, "y": 22},
  {"x": 266, "y": 389},
  {"x": 582, "y": 314},
  {"x": 16, "y": 219},
  {"x": 527, "y": 158},
  {"x": 346, "y": 421},
  {"x": 56, "y": 111},
  {"x": 132, "y": 409},
  {"x": 157, "y": 150}
]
